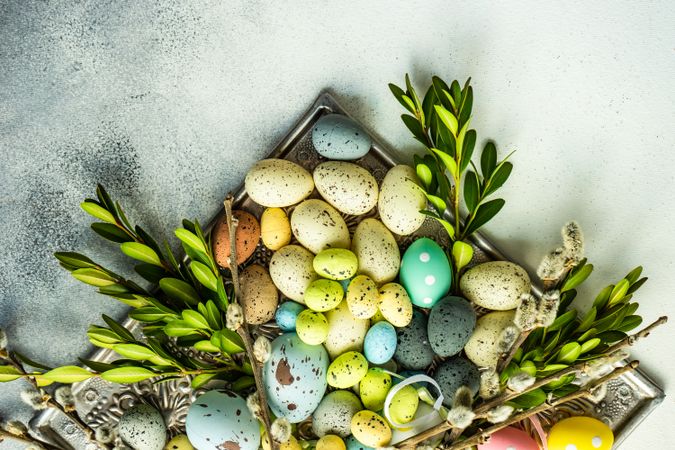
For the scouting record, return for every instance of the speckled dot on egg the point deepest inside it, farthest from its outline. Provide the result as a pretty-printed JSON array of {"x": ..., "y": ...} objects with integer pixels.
[
  {"x": 451, "y": 322},
  {"x": 143, "y": 428},
  {"x": 336, "y": 136},
  {"x": 454, "y": 373},
  {"x": 348, "y": 187}
]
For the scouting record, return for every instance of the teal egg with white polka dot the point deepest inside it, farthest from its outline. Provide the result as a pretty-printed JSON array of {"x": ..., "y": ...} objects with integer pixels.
[{"x": 425, "y": 272}]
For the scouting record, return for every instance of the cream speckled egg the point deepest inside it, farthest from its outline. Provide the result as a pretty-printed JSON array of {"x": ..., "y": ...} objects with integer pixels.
[
  {"x": 275, "y": 228},
  {"x": 370, "y": 429},
  {"x": 350, "y": 188},
  {"x": 323, "y": 295},
  {"x": 318, "y": 226},
  {"x": 292, "y": 271},
  {"x": 334, "y": 413},
  {"x": 345, "y": 332},
  {"x": 143, "y": 428},
  {"x": 483, "y": 345},
  {"x": 495, "y": 285},
  {"x": 336, "y": 264},
  {"x": 376, "y": 250},
  {"x": 401, "y": 200},
  {"x": 278, "y": 183},
  {"x": 259, "y": 296},
  {"x": 362, "y": 297},
  {"x": 395, "y": 305},
  {"x": 347, "y": 370}
]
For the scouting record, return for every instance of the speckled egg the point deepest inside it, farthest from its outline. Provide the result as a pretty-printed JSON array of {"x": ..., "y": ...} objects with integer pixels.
[
  {"x": 291, "y": 444},
  {"x": 350, "y": 188},
  {"x": 287, "y": 315},
  {"x": 374, "y": 387},
  {"x": 362, "y": 297},
  {"x": 312, "y": 327},
  {"x": 347, "y": 369},
  {"x": 221, "y": 419},
  {"x": 425, "y": 272},
  {"x": 179, "y": 442},
  {"x": 278, "y": 183},
  {"x": 330, "y": 442},
  {"x": 380, "y": 343},
  {"x": 142, "y": 427},
  {"x": 404, "y": 405},
  {"x": 323, "y": 295},
  {"x": 295, "y": 377},
  {"x": 580, "y": 433},
  {"x": 395, "y": 305},
  {"x": 318, "y": 226},
  {"x": 336, "y": 136},
  {"x": 376, "y": 250},
  {"x": 454, "y": 373},
  {"x": 259, "y": 296},
  {"x": 451, "y": 323},
  {"x": 413, "y": 350},
  {"x": 495, "y": 285},
  {"x": 354, "y": 444},
  {"x": 345, "y": 332},
  {"x": 246, "y": 238},
  {"x": 509, "y": 438},
  {"x": 334, "y": 413},
  {"x": 275, "y": 228},
  {"x": 430, "y": 418},
  {"x": 483, "y": 345},
  {"x": 370, "y": 429},
  {"x": 401, "y": 200},
  {"x": 336, "y": 264},
  {"x": 377, "y": 317},
  {"x": 292, "y": 271}
]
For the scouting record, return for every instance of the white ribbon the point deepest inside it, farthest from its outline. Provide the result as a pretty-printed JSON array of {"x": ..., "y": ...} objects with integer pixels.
[{"x": 411, "y": 380}]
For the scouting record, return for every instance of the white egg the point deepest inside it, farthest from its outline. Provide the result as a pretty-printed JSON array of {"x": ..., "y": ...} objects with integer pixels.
[
  {"x": 401, "y": 200},
  {"x": 495, "y": 285},
  {"x": 318, "y": 226},
  {"x": 292, "y": 271},
  {"x": 376, "y": 250},
  {"x": 278, "y": 183},
  {"x": 350, "y": 188},
  {"x": 142, "y": 427},
  {"x": 483, "y": 346}
]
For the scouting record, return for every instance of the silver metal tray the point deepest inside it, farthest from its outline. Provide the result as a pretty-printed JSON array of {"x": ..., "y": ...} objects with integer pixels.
[{"x": 628, "y": 401}]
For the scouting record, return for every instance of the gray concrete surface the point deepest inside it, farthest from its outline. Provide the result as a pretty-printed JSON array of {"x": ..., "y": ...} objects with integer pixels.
[{"x": 168, "y": 102}]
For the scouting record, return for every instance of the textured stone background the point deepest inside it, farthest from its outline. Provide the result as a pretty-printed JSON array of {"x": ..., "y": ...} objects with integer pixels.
[{"x": 168, "y": 102}]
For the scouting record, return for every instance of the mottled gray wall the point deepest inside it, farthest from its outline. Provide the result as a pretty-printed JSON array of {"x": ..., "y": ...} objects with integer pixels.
[{"x": 167, "y": 103}]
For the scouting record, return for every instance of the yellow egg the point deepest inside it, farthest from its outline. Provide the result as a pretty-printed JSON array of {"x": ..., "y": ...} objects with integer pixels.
[
  {"x": 291, "y": 444},
  {"x": 378, "y": 317},
  {"x": 347, "y": 370},
  {"x": 362, "y": 297},
  {"x": 395, "y": 305},
  {"x": 330, "y": 442},
  {"x": 179, "y": 442},
  {"x": 370, "y": 429},
  {"x": 275, "y": 228},
  {"x": 580, "y": 433},
  {"x": 312, "y": 327},
  {"x": 323, "y": 295},
  {"x": 404, "y": 405},
  {"x": 374, "y": 388}
]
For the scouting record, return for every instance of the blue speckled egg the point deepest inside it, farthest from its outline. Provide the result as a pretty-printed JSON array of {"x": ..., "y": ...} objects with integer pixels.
[
  {"x": 353, "y": 444},
  {"x": 380, "y": 343},
  {"x": 454, "y": 373},
  {"x": 425, "y": 272},
  {"x": 338, "y": 137},
  {"x": 142, "y": 427},
  {"x": 295, "y": 377},
  {"x": 221, "y": 419},
  {"x": 412, "y": 347},
  {"x": 287, "y": 315},
  {"x": 451, "y": 323}
]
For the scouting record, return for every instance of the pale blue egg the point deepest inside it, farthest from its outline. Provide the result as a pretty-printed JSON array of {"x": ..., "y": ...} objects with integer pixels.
[
  {"x": 425, "y": 272},
  {"x": 338, "y": 137},
  {"x": 221, "y": 419},
  {"x": 380, "y": 343},
  {"x": 451, "y": 323},
  {"x": 353, "y": 444},
  {"x": 295, "y": 377},
  {"x": 287, "y": 315}
]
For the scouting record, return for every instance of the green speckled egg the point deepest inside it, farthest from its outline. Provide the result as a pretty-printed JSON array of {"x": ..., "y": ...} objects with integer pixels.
[
  {"x": 336, "y": 264},
  {"x": 404, "y": 405},
  {"x": 323, "y": 295},
  {"x": 374, "y": 388},
  {"x": 347, "y": 370},
  {"x": 180, "y": 442},
  {"x": 363, "y": 297},
  {"x": 425, "y": 272},
  {"x": 312, "y": 327},
  {"x": 370, "y": 429}
]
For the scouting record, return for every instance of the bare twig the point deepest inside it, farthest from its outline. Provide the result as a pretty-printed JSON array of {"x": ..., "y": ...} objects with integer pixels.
[
  {"x": 243, "y": 330},
  {"x": 506, "y": 357}
]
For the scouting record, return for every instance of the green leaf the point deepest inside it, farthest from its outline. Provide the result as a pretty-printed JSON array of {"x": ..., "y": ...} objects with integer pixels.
[
  {"x": 563, "y": 381},
  {"x": 243, "y": 383},
  {"x": 206, "y": 346},
  {"x": 9, "y": 373},
  {"x": 148, "y": 314},
  {"x": 111, "y": 232},
  {"x": 141, "y": 252},
  {"x": 424, "y": 174},
  {"x": 222, "y": 295},
  {"x": 399, "y": 94},
  {"x": 484, "y": 214},
  {"x": 93, "y": 277},
  {"x": 127, "y": 375},
  {"x": 447, "y": 161},
  {"x": 103, "y": 335},
  {"x": 589, "y": 345},
  {"x": 629, "y": 323},
  {"x": 462, "y": 253},
  {"x": 96, "y": 365},
  {"x": 603, "y": 297},
  {"x": 530, "y": 399},
  {"x": 619, "y": 292},
  {"x": 214, "y": 317},
  {"x": 150, "y": 272},
  {"x": 588, "y": 320},
  {"x": 634, "y": 275},
  {"x": 96, "y": 210},
  {"x": 569, "y": 352},
  {"x": 227, "y": 341},
  {"x": 195, "y": 319},
  {"x": 562, "y": 320},
  {"x": 498, "y": 178},
  {"x": 134, "y": 351},
  {"x": 566, "y": 390},
  {"x": 447, "y": 225},
  {"x": 26, "y": 360},
  {"x": 466, "y": 104},
  {"x": 204, "y": 275},
  {"x": 467, "y": 149},
  {"x": 104, "y": 198},
  {"x": 415, "y": 127},
  {"x": 588, "y": 334},
  {"x": 459, "y": 145},
  {"x": 191, "y": 240},
  {"x": 488, "y": 160},
  {"x": 529, "y": 368},
  {"x": 612, "y": 336},
  {"x": 75, "y": 260},
  {"x": 550, "y": 369},
  {"x": 201, "y": 379},
  {"x": 438, "y": 202},
  {"x": 471, "y": 190},
  {"x": 447, "y": 118},
  {"x": 177, "y": 328},
  {"x": 68, "y": 374},
  {"x": 179, "y": 290},
  {"x": 121, "y": 331},
  {"x": 428, "y": 105},
  {"x": 577, "y": 278},
  {"x": 637, "y": 285}
]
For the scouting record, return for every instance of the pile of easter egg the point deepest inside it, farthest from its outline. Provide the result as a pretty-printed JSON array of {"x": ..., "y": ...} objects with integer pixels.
[{"x": 355, "y": 315}]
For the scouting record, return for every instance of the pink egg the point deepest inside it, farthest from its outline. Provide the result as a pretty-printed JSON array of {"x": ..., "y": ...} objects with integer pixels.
[{"x": 510, "y": 439}]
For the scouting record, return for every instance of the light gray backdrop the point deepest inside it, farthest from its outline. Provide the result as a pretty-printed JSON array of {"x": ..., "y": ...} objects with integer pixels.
[{"x": 168, "y": 103}]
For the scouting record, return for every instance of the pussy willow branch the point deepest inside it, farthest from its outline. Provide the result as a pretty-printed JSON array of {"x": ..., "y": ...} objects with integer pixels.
[
  {"x": 243, "y": 330},
  {"x": 484, "y": 407}
]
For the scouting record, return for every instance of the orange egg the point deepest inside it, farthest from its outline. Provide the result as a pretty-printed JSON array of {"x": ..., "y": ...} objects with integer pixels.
[
  {"x": 580, "y": 433},
  {"x": 247, "y": 237},
  {"x": 510, "y": 438}
]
